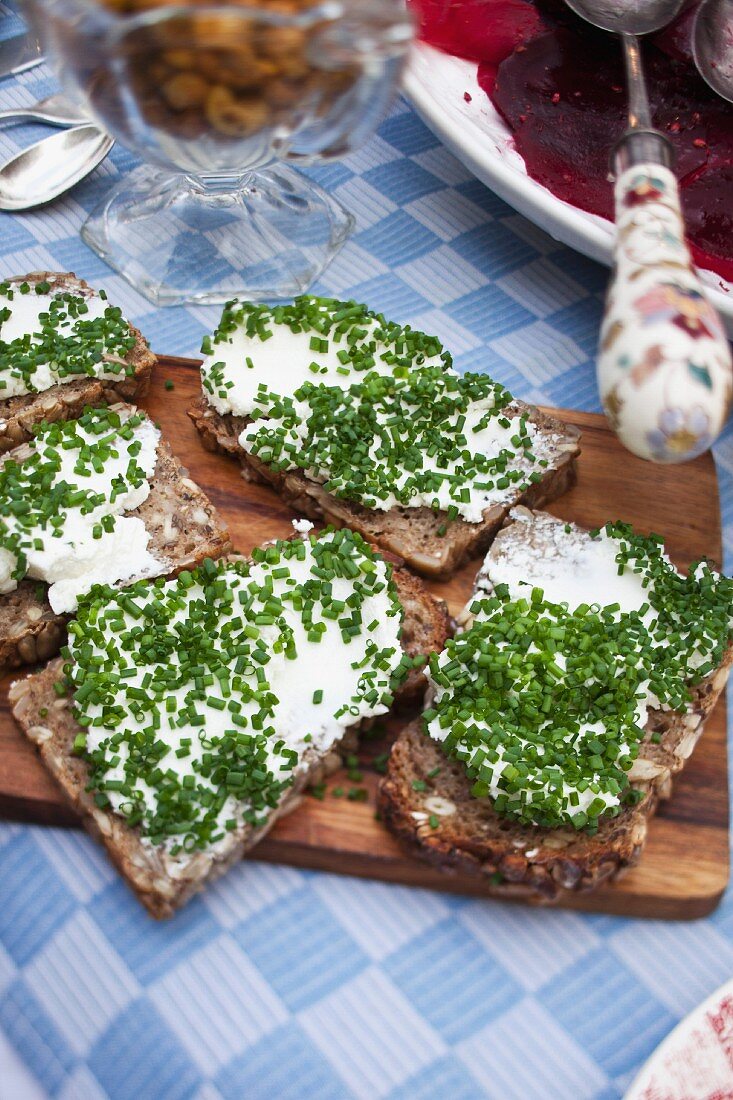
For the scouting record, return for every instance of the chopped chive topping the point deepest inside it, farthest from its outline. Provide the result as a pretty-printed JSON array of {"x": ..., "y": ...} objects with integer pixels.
[
  {"x": 55, "y": 496},
  {"x": 65, "y": 340},
  {"x": 391, "y": 423},
  {"x": 176, "y": 684},
  {"x": 546, "y": 706},
  {"x": 379, "y": 763}
]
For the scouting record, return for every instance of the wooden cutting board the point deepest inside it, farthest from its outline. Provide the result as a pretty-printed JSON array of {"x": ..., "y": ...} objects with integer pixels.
[{"x": 684, "y": 869}]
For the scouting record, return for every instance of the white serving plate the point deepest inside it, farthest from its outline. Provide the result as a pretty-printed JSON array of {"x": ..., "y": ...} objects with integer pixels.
[
  {"x": 474, "y": 132},
  {"x": 695, "y": 1061}
]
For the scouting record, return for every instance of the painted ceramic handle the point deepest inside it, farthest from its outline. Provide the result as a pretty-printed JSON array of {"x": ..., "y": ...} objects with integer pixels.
[{"x": 664, "y": 363}]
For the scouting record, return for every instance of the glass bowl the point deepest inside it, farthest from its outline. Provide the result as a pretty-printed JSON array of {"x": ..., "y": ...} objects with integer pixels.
[{"x": 220, "y": 101}]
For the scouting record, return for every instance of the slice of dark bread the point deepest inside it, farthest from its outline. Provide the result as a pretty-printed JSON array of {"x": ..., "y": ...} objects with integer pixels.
[
  {"x": 184, "y": 529},
  {"x": 47, "y": 721},
  {"x": 525, "y": 861},
  {"x": 67, "y": 400},
  {"x": 425, "y": 628},
  {"x": 412, "y": 533}
]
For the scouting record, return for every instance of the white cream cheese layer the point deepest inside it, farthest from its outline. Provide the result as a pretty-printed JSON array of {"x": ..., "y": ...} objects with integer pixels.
[
  {"x": 240, "y": 365},
  {"x": 301, "y": 724},
  {"x": 282, "y": 364},
  {"x": 74, "y": 561},
  {"x": 490, "y": 440},
  {"x": 569, "y": 566},
  {"x": 25, "y": 318}
]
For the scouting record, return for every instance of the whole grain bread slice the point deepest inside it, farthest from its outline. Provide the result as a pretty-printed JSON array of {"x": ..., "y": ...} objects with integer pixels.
[
  {"x": 161, "y": 883},
  {"x": 184, "y": 529},
  {"x": 67, "y": 400},
  {"x": 426, "y": 540},
  {"x": 423, "y": 787}
]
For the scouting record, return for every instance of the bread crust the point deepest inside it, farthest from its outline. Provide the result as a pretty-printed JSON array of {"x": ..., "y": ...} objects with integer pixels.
[
  {"x": 162, "y": 885},
  {"x": 67, "y": 400},
  {"x": 184, "y": 529},
  {"x": 526, "y": 861},
  {"x": 412, "y": 533}
]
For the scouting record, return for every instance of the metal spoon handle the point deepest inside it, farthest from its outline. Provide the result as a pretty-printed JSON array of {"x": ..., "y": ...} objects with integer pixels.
[
  {"x": 639, "y": 114},
  {"x": 30, "y": 114},
  {"x": 43, "y": 171},
  {"x": 54, "y": 110},
  {"x": 664, "y": 364}
]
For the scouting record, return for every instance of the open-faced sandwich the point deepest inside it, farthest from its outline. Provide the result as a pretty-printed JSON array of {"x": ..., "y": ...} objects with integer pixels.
[
  {"x": 365, "y": 424},
  {"x": 577, "y": 686},
  {"x": 63, "y": 346},
  {"x": 96, "y": 500},
  {"x": 186, "y": 714}
]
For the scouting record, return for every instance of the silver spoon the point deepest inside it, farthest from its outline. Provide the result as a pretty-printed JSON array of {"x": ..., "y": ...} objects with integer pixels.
[
  {"x": 19, "y": 53},
  {"x": 55, "y": 110},
  {"x": 45, "y": 170},
  {"x": 664, "y": 364},
  {"x": 712, "y": 45}
]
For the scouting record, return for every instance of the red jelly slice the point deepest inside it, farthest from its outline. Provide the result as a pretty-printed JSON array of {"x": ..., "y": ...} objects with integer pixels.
[
  {"x": 564, "y": 98},
  {"x": 480, "y": 30},
  {"x": 708, "y": 206},
  {"x": 676, "y": 39},
  {"x": 566, "y": 105}
]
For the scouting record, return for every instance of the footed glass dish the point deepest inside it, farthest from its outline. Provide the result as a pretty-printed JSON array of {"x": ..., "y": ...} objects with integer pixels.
[{"x": 221, "y": 102}]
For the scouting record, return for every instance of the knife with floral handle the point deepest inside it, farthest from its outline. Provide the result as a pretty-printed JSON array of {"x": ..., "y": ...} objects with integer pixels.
[{"x": 664, "y": 363}]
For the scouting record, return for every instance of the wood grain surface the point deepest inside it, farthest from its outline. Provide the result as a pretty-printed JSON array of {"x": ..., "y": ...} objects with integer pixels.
[{"x": 684, "y": 869}]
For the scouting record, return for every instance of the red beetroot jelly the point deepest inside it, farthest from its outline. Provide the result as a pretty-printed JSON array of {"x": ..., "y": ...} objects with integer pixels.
[
  {"x": 559, "y": 85},
  {"x": 676, "y": 39},
  {"x": 480, "y": 30},
  {"x": 708, "y": 205},
  {"x": 573, "y": 102},
  {"x": 565, "y": 107}
]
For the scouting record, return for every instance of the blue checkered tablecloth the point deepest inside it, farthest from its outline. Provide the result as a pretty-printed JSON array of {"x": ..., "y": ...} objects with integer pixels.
[{"x": 283, "y": 984}]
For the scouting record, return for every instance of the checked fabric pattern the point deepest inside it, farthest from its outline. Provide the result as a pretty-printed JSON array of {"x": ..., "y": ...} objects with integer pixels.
[{"x": 280, "y": 984}]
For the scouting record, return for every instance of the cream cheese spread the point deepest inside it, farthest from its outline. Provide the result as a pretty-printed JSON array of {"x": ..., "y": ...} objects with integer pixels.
[
  {"x": 57, "y": 335},
  {"x": 569, "y": 642},
  {"x": 285, "y": 361},
  {"x": 295, "y": 684},
  {"x": 424, "y": 437},
  {"x": 72, "y": 546},
  {"x": 488, "y": 438},
  {"x": 566, "y": 564}
]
